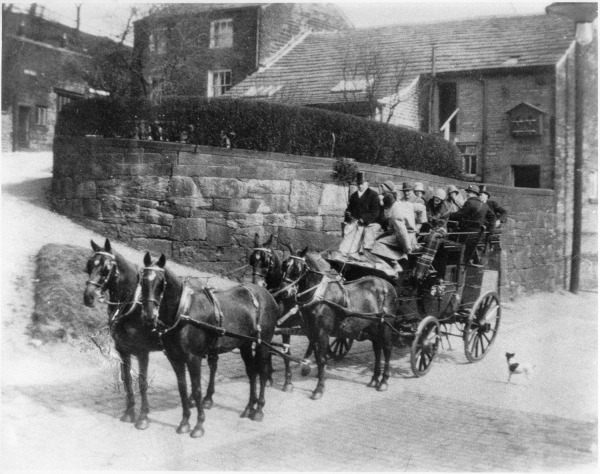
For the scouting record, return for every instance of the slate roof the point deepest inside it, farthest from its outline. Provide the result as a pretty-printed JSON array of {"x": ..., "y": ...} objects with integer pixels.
[{"x": 312, "y": 68}]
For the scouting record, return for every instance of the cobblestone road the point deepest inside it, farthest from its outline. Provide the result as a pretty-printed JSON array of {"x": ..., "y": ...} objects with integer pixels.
[{"x": 61, "y": 405}]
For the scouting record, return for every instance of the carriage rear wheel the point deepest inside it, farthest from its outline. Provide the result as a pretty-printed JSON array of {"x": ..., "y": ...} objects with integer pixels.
[
  {"x": 339, "y": 347},
  {"x": 480, "y": 330},
  {"x": 425, "y": 346}
]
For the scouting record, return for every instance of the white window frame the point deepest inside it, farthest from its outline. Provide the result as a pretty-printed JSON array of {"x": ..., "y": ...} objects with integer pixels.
[
  {"x": 222, "y": 85},
  {"x": 157, "y": 41},
  {"x": 221, "y": 33},
  {"x": 158, "y": 91},
  {"x": 471, "y": 157},
  {"x": 41, "y": 115}
]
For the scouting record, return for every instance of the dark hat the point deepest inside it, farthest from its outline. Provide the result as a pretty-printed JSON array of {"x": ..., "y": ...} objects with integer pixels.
[
  {"x": 471, "y": 188},
  {"x": 483, "y": 190},
  {"x": 406, "y": 187},
  {"x": 360, "y": 177},
  {"x": 388, "y": 200}
]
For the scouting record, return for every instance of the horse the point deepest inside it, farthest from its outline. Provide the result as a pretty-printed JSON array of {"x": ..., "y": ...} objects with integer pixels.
[
  {"x": 194, "y": 321},
  {"x": 267, "y": 272},
  {"x": 355, "y": 310},
  {"x": 108, "y": 272}
]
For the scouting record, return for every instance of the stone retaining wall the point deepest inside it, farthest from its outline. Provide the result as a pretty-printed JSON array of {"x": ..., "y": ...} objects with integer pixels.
[{"x": 202, "y": 205}]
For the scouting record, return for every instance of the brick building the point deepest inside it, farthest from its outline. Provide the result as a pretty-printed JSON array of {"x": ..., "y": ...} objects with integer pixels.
[
  {"x": 44, "y": 64},
  {"x": 205, "y": 49}
]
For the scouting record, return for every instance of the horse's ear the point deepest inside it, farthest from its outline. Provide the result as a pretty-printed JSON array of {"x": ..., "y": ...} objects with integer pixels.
[
  {"x": 107, "y": 245},
  {"x": 95, "y": 247},
  {"x": 147, "y": 259},
  {"x": 304, "y": 252},
  {"x": 256, "y": 241},
  {"x": 270, "y": 241},
  {"x": 162, "y": 261}
]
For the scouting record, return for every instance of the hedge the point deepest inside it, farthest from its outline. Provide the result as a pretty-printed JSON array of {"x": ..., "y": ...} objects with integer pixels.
[{"x": 265, "y": 126}]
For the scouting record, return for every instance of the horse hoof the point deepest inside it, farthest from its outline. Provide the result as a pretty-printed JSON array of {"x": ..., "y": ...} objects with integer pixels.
[
  {"x": 288, "y": 388},
  {"x": 183, "y": 429},
  {"x": 207, "y": 404},
  {"x": 316, "y": 395},
  {"x": 142, "y": 424},
  {"x": 382, "y": 387},
  {"x": 128, "y": 418},
  {"x": 198, "y": 432},
  {"x": 270, "y": 382},
  {"x": 257, "y": 416},
  {"x": 305, "y": 370},
  {"x": 372, "y": 383},
  {"x": 247, "y": 413}
]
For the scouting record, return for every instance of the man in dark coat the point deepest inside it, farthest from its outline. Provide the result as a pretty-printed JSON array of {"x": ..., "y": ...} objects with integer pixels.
[
  {"x": 471, "y": 217},
  {"x": 497, "y": 209}
]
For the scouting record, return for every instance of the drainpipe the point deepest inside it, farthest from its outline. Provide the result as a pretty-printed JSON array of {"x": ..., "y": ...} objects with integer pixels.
[
  {"x": 483, "y": 126},
  {"x": 258, "y": 21},
  {"x": 432, "y": 92},
  {"x": 582, "y": 14}
]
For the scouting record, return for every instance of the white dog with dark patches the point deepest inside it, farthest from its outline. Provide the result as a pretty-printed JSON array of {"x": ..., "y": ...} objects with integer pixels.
[{"x": 515, "y": 368}]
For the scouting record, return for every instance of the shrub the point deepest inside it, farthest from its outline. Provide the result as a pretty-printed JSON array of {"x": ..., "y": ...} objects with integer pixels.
[{"x": 264, "y": 126}]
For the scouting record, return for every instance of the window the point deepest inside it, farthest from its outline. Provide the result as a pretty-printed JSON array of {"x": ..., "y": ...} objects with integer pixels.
[
  {"x": 158, "y": 91},
  {"x": 157, "y": 43},
  {"x": 221, "y": 34},
  {"x": 41, "y": 115},
  {"x": 526, "y": 176},
  {"x": 448, "y": 104},
  {"x": 219, "y": 82},
  {"x": 63, "y": 97},
  {"x": 468, "y": 152}
]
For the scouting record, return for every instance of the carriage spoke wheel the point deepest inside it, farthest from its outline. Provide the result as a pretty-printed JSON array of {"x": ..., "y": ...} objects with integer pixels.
[
  {"x": 482, "y": 326},
  {"x": 425, "y": 346},
  {"x": 339, "y": 347}
]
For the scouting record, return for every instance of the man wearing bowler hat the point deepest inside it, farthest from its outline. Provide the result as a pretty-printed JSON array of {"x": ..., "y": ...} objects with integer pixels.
[
  {"x": 361, "y": 218},
  {"x": 497, "y": 209}
]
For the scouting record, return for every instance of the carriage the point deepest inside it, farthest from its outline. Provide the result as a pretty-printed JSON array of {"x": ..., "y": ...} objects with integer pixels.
[{"x": 456, "y": 297}]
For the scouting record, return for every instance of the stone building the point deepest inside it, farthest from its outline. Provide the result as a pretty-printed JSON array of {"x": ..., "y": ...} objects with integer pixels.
[
  {"x": 202, "y": 50},
  {"x": 44, "y": 64}
]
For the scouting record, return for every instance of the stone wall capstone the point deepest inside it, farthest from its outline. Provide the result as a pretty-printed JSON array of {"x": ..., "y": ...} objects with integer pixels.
[{"x": 202, "y": 205}]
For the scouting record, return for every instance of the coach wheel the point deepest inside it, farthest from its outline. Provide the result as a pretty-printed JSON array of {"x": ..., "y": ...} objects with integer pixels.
[
  {"x": 339, "y": 347},
  {"x": 480, "y": 330},
  {"x": 425, "y": 346}
]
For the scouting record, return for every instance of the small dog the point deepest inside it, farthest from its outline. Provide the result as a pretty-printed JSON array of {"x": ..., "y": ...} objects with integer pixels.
[{"x": 515, "y": 367}]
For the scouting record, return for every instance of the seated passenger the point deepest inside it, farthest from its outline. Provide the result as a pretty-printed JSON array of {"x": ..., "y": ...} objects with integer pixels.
[
  {"x": 401, "y": 237},
  {"x": 419, "y": 193},
  {"x": 454, "y": 201},
  {"x": 361, "y": 217},
  {"x": 436, "y": 206}
]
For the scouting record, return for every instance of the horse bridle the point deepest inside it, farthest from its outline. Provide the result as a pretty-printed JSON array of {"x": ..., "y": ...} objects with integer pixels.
[
  {"x": 156, "y": 302},
  {"x": 270, "y": 262},
  {"x": 104, "y": 280}
]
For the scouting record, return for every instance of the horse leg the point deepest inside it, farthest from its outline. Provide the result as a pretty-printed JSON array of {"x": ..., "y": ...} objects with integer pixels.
[
  {"x": 377, "y": 370},
  {"x": 261, "y": 358},
  {"x": 287, "y": 385},
  {"x": 213, "y": 360},
  {"x": 179, "y": 367},
  {"x": 248, "y": 357},
  {"x": 305, "y": 361},
  {"x": 129, "y": 414},
  {"x": 387, "y": 355},
  {"x": 320, "y": 348},
  {"x": 195, "y": 369},
  {"x": 142, "y": 421}
]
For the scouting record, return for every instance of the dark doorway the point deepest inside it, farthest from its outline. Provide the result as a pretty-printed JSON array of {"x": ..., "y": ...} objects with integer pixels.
[
  {"x": 447, "y": 95},
  {"x": 526, "y": 176},
  {"x": 22, "y": 140}
]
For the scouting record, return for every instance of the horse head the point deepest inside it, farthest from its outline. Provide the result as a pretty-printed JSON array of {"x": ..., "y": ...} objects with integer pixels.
[
  {"x": 154, "y": 283},
  {"x": 266, "y": 266},
  {"x": 101, "y": 269},
  {"x": 294, "y": 268}
]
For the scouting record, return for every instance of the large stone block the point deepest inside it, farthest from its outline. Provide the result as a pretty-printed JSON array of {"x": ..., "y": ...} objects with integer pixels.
[
  {"x": 182, "y": 187},
  {"x": 262, "y": 187},
  {"x": 314, "y": 223},
  {"x": 154, "y": 216},
  {"x": 86, "y": 190},
  {"x": 274, "y": 203},
  {"x": 280, "y": 220},
  {"x": 305, "y": 198},
  {"x": 334, "y": 200},
  {"x": 188, "y": 229},
  {"x": 238, "y": 220},
  {"x": 245, "y": 205},
  {"x": 218, "y": 234},
  {"x": 154, "y": 246},
  {"x": 221, "y": 187},
  {"x": 152, "y": 231},
  {"x": 332, "y": 224},
  {"x": 148, "y": 187},
  {"x": 113, "y": 187}
]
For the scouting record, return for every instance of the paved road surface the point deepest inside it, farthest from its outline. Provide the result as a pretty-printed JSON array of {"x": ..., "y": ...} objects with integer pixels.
[{"x": 61, "y": 405}]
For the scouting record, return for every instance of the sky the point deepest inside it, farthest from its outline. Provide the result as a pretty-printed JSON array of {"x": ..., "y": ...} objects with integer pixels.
[{"x": 109, "y": 17}]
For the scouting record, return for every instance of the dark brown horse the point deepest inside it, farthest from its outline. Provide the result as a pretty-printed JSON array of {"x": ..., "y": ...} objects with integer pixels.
[
  {"x": 194, "y": 321},
  {"x": 111, "y": 274},
  {"x": 355, "y": 310}
]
